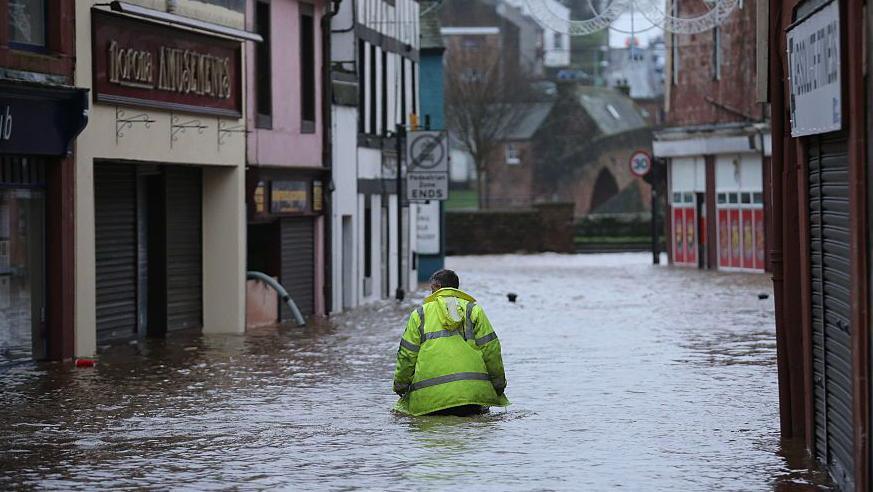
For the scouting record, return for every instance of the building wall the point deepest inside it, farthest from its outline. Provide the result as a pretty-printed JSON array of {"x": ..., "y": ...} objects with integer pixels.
[
  {"x": 432, "y": 89},
  {"x": 345, "y": 203},
  {"x": 699, "y": 97},
  {"x": 285, "y": 144},
  {"x": 223, "y": 195},
  {"x": 511, "y": 185}
]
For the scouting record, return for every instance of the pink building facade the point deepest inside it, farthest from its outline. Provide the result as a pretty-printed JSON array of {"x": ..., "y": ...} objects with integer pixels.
[{"x": 286, "y": 177}]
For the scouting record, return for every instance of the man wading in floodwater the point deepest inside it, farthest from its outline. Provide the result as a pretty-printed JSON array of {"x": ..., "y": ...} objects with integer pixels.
[{"x": 449, "y": 358}]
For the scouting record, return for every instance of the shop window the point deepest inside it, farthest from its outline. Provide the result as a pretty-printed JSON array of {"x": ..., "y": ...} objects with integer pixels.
[
  {"x": 733, "y": 198},
  {"x": 722, "y": 198},
  {"x": 27, "y": 24},
  {"x": 307, "y": 67},
  {"x": 263, "y": 67},
  {"x": 513, "y": 154},
  {"x": 746, "y": 198},
  {"x": 688, "y": 198},
  {"x": 677, "y": 197},
  {"x": 758, "y": 198}
]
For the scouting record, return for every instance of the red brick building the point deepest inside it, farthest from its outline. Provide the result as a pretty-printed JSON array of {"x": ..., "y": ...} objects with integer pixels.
[
  {"x": 573, "y": 150},
  {"x": 40, "y": 114},
  {"x": 716, "y": 144}
]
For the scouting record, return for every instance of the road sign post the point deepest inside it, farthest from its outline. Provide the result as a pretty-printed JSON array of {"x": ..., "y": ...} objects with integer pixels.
[{"x": 642, "y": 166}]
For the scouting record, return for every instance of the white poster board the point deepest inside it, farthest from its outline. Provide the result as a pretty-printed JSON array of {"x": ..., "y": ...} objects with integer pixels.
[
  {"x": 815, "y": 73},
  {"x": 428, "y": 231}
]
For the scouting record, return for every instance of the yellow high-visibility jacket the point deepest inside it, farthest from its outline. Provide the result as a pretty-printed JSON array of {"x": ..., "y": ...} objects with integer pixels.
[{"x": 449, "y": 356}]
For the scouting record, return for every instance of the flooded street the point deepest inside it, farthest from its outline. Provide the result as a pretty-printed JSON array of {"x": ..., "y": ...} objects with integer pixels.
[{"x": 620, "y": 373}]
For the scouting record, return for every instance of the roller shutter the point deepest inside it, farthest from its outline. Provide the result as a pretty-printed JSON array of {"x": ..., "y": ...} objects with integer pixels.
[
  {"x": 184, "y": 248},
  {"x": 831, "y": 312},
  {"x": 115, "y": 243},
  {"x": 298, "y": 263}
]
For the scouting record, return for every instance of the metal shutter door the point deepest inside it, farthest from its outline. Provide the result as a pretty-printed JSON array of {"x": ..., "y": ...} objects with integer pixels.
[
  {"x": 831, "y": 328},
  {"x": 298, "y": 264},
  {"x": 184, "y": 248},
  {"x": 115, "y": 247}
]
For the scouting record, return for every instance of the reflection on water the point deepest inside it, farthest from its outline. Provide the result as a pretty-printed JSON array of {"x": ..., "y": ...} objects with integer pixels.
[{"x": 621, "y": 374}]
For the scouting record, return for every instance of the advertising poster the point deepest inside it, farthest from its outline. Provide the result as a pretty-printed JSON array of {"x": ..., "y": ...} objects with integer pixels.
[
  {"x": 724, "y": 239},
  {"x": 748, "y": 240}
]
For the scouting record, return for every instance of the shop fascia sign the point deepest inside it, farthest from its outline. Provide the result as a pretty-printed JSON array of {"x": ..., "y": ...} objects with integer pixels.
[
  {"x": 146, "y": 64},
  {"x": 815, "y": 73},
  {"x": 40, "y": 120}
]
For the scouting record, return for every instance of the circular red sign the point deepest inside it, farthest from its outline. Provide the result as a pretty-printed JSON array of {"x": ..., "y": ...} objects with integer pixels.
[{"x": 640, "y": 163}]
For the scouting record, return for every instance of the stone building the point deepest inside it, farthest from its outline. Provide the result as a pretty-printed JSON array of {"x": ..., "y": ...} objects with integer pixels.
[{"x": 575, "y": 149}]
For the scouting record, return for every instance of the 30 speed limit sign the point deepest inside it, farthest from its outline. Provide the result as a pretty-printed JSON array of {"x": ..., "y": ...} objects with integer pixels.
[{"x": 641, "y": 163}]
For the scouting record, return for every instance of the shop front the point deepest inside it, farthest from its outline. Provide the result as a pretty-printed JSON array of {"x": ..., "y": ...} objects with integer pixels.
[
  {"x": 286, "y": 234},
  {"x": 160, "y": 176},
  {"x": 37, "y": 126},
  {"x": 821, "y": 229},
  {"x": 717, "y": 216}
]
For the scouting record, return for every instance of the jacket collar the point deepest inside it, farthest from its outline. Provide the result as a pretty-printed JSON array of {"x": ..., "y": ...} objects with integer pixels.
[{"x": 450, "y": 292}]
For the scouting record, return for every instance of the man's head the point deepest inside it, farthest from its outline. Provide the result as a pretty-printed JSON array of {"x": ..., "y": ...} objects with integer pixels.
[{"x": 444, "y": 279}]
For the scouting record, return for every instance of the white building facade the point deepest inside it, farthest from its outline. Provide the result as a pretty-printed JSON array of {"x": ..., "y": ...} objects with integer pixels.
[{"x": 375, "y": 73}]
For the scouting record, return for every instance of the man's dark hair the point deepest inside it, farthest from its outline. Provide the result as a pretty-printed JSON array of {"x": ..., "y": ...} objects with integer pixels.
[{"x": 445, "y": 279}]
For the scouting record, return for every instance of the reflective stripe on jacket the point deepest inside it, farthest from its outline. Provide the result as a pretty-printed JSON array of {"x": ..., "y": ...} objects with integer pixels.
[{"x": 449, "y": 356}]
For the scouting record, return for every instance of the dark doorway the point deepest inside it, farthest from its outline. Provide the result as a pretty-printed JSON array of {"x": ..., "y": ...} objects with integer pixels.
[
  {"x": 702, "y": 238},
  {"x": 605, "y": 188}
]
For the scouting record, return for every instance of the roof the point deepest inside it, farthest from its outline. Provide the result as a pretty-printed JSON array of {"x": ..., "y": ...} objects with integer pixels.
[
  {"x": 531, "y": 118},
  {"x": 430, "y": 25},
  {"x": 612, "y": 111}
]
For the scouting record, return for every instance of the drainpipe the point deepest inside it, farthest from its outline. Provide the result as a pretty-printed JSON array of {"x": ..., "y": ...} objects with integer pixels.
[{"x": 327, "y": 148}]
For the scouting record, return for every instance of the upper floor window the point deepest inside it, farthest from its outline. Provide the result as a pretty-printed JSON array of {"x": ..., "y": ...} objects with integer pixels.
[
  {"x": 513, "y": 154},
  {"x": 263, "y": 62},
  {"x": 716, "y": 53},
  {"x": 558, "y": 40},
  {"x": 307, "y": 67},
  {"x": 27, "y": 24}
]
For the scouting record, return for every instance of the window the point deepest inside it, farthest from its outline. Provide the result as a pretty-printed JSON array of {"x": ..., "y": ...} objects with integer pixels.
[
  {"x": 362, "y": 85},
  {"x": 557, "y": 40},
  {"x": 27, "y": 24},
  {"x": 414, "y": 90},
  {"x": 307, "y": 68},
  {"x": 372, "y": 106},
  {"x": 674, "y": 45},
  {"x": 716, "y": 53},
  {"x": 264, "y": 77},
  {"x": 385, "y": 92},
  {"x": 513, "y": 154},
  {"x": 368, "y": 237},
  {"x": 758, "y": 198},
  {"x": 402, "y": 89}
]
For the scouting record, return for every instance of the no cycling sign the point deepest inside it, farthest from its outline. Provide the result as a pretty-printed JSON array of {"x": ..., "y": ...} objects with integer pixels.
[{"x": 428, "y": 175}]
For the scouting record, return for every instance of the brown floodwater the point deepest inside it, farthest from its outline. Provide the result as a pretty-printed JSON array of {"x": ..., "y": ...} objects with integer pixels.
[{"x": 621, "y": 374}]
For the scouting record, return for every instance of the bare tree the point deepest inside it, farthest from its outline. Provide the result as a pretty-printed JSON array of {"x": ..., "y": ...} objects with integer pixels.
[{"x": 483, "y": 99}]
